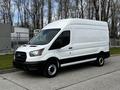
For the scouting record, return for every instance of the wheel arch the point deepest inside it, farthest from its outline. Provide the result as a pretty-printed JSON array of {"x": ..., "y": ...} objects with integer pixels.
[
  {"x": 54, "y": 59},
  {"x": 101, "y": 53}
]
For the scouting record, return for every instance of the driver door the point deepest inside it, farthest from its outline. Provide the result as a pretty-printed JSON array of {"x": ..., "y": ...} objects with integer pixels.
[{"x": 61, "y": 46}]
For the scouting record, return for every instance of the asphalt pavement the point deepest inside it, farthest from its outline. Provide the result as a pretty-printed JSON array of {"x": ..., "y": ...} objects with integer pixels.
[{"x": 78, "y": 77}]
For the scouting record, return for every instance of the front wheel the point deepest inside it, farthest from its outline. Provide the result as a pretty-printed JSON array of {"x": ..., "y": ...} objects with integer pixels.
[
  {"x": 50, "y": 70},
  {"x": 100, "y": 61}
]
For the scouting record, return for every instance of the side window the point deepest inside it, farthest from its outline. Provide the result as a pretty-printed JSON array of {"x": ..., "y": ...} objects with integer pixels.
[{"x": 61, "y": 41}]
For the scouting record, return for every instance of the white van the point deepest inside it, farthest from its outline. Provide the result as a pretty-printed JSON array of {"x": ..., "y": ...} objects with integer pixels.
[{"x": 62, "y": 43}]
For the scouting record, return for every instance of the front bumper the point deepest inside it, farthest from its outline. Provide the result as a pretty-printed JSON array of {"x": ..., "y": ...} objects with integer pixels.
[{"x": 29, "y": 66}]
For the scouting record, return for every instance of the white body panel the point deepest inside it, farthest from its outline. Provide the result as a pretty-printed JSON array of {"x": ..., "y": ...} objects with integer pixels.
[{"x": 86, "y": 37}]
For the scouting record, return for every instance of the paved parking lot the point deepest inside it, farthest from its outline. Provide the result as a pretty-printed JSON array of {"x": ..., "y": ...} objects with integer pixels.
[{"x": 82, "y": 77}]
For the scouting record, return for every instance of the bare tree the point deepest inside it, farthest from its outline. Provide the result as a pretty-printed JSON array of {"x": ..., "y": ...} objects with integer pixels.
[
  {"x": 114, "y": 16},
  {"x": 49, "y": 11},
  {"x": 90, "y": 9},
  {"x": 19, "y": 6},
  {"x": 32, "y": 13},
  {"x": 60, "y": 9},
  {"x": 96, "y": 8},
  {"x": 82, "y": 10},
  {"x": 65, "y": 8},
  {"x": 6, "y": 12},
  {"x": 42, "y": 13},
  {"x": 105, "y": 9}
]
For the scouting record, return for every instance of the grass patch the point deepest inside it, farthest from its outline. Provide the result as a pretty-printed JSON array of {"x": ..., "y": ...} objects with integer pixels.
[
  {"x": 114, "y": 51},
  {"x": 6, "y": 61}
]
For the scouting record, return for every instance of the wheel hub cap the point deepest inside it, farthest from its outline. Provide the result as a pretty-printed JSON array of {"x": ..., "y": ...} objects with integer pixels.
[
  {"x": 101, "y": 61},
  {"x": 52, "y": 69}
]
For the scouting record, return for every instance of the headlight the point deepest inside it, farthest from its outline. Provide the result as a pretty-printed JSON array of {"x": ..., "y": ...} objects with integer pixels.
[{"x": 36, "y": 53}]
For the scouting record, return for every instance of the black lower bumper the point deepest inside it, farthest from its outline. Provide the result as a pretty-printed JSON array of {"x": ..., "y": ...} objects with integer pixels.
[{"x": 29, "y": 66}]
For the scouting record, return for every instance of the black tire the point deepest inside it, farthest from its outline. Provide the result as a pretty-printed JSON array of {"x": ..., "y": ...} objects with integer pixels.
[
  {"x": 100, "y": 60},
  {"x": 50, "y": 69}
]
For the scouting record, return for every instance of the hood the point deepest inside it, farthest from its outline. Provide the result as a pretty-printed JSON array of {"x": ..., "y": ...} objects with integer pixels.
[{"x": 28, "y": 48}]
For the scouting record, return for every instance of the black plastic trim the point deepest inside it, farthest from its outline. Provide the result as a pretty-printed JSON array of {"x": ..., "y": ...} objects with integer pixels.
[
  {"x": 80, "y": 58},
  {"x": 29, "y": 65}
]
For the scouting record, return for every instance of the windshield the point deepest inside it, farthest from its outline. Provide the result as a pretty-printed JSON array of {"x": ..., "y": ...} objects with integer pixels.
[{"x": 44, "y": 37}]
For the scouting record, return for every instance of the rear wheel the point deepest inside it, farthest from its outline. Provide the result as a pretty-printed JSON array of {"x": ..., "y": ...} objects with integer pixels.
[
  {"x": 100, "y": 60},
  {"x": 50, "y": 69}
]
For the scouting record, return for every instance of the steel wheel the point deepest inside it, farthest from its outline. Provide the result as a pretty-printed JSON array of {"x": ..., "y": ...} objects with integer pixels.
[
  {"x": 50, "y": 70},
  {"x": 100, "y": 61}
]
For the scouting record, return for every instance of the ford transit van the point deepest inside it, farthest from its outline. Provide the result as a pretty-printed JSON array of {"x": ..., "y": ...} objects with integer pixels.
[{"x": 62, "y": 43}]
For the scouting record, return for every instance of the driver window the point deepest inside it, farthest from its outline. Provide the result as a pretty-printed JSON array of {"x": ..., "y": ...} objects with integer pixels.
[{"x": 62, "y": 40}]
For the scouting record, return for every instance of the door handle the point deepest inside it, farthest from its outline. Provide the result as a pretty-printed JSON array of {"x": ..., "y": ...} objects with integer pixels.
[{"x": 70, "y": 47}]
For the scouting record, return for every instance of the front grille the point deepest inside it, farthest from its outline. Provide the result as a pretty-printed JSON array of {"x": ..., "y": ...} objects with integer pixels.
[{"x": 20, "y": 56}]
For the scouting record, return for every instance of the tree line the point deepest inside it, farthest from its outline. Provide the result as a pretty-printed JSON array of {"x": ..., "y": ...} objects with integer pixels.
[{"x": 34, "y": 14}]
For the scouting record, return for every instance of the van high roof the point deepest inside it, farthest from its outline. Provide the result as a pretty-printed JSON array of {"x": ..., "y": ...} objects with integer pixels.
[{"x": 74, "y": 21}]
